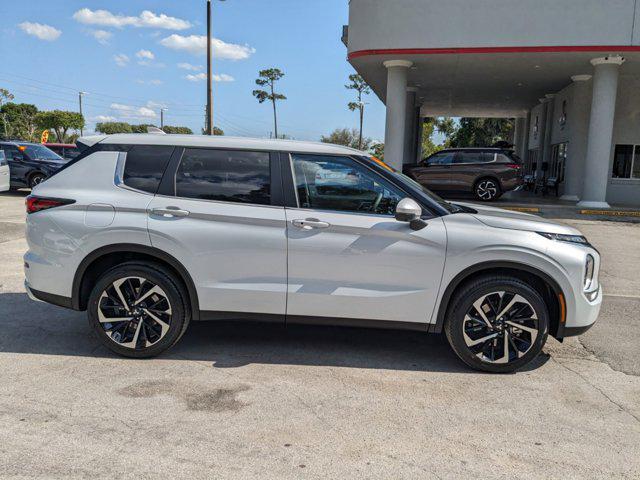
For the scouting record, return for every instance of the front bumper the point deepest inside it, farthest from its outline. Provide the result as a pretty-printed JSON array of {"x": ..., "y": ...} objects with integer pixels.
[{"x": 585, "y": 316}]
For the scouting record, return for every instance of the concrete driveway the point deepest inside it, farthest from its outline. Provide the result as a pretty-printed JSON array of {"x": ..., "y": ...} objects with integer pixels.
[{"x": 258, "y": 401}]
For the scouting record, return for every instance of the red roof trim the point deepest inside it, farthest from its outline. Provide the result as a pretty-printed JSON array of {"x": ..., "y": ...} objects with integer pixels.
[{"x": 471, "y": 50}]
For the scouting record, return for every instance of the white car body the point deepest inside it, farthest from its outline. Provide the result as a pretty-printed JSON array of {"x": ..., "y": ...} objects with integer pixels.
[{"x": 251, "y": 260}]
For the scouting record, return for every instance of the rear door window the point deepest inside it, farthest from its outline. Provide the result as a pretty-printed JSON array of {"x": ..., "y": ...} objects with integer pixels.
[
  {"x": 475, "y": 157},
  {"x": 145, "y": 166},
  {"x": 224, "y": 175}
]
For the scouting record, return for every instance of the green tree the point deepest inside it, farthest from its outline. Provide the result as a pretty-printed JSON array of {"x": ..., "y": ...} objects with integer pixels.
[
  {"x": 20, "y": 121},
  {"x": 60, "y": 121},
  {"x": 480, "y": 132},
  {"x": 358, "y": 84},
  {"x": 377, "y": 150},
  {"x": 268, "y": 78},
  {"x": 348, "y": 138},
  {"x": 109, "y": 128},
  {"x": 173, "y": 129},
  {"x": 216, "y": 131},
  {"x": 5, "y": 96}
]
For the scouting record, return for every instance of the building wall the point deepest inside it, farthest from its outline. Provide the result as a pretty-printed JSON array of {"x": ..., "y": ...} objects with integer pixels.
[
  {"x": 381, "y": 24},
  {"x": 535, "y": 139},
  {"x": 626, "y": 130}
]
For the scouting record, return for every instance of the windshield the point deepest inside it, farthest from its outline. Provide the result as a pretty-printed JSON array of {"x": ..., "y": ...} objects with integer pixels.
[
  {"x": 40, "y": 152},
  {"x": 415, "y": 186}
]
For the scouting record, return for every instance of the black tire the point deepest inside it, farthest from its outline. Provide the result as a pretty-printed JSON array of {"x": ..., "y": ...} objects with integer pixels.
[
  {"x": 487, "y": 189},
  {"x": 459, "y": 324},
  {"x": 161, "y": 339},
  {"x": 36, "y": 179}
]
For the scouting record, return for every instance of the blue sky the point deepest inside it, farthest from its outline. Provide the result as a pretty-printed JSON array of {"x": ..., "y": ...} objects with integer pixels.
[{"x": 128, "y": 62}]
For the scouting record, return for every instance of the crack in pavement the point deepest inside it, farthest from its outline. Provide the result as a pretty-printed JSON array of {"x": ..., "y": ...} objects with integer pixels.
[{"x": 598, "y": 389}]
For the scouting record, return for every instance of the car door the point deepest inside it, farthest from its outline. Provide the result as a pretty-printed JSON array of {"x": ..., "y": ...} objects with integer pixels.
[
  {"x": 435, "y": 171},
  {"x": 468, "y": 166},
  {"x": 222, "y": 221},
  {"x": 18, "y": 167},
  {"x": 348, "y": 257}
]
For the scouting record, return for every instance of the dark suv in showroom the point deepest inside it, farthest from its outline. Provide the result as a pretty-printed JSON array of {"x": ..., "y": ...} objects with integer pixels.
[{"x": 485, "y": 172}]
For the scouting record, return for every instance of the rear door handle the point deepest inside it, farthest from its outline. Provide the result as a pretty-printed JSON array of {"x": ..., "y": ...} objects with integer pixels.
[
  {"x": 309, "y": 223},
  {"x": 170, "y": 212}
]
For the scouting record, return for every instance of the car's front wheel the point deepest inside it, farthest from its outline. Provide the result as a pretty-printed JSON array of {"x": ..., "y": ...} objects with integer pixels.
[
  {"x": 487, "y": 189},
  {"x": 138, "y": 310},
  {"x": 497, "y": 324}
]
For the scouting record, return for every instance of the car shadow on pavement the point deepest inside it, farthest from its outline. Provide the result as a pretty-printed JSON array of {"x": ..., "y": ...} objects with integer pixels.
[{"x": 38, "y": 328}]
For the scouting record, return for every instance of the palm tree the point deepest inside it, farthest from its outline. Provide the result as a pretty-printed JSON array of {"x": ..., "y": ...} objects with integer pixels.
[
  {"x": 360, "y": 86},
  {"x": 268, "y": 78}
]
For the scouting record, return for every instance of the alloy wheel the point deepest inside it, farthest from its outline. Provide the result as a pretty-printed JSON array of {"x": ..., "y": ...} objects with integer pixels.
[
  {"x": 134, "y": 312},
  {"x": 487, "y": 190},
  {"x": 500, "y": 327},
  {"x": 37, "y": 180}
]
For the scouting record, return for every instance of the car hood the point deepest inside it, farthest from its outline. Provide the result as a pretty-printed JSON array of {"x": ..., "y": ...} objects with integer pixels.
[
  {"x": 501, "y": 218},
  {"x": 53, "y": 163}
]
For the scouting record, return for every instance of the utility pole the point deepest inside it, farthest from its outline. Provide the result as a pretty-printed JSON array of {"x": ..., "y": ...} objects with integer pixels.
[
  {"x": 80, "y": 94},
  {"x": 209, "y": 125},
  {"x": 162, "y": 110}
]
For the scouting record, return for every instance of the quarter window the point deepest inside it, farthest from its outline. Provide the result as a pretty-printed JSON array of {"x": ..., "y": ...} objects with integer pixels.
[
  {"x": 145, "y": 166},
  {"x": 342, "y": 184},
  {"x": 626, "y": 161},
  {"x": 224, "y": 175}
]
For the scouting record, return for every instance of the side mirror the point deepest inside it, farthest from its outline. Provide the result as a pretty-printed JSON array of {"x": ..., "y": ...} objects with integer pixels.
[{"x": 408, "y": 210}]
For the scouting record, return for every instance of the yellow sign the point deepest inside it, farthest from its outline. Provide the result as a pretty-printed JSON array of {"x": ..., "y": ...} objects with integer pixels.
[{"x": 44, "y": 137}]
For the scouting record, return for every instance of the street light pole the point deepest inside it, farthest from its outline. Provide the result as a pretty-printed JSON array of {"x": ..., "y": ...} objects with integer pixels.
[
  {"x": 80, "y": 94},
  {"x": 162, "y": 110}
]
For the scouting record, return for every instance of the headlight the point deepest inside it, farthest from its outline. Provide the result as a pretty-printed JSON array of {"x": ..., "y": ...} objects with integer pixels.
[
  {"x": 588, "y": 273},
  {"x": 565, "y": 238}
]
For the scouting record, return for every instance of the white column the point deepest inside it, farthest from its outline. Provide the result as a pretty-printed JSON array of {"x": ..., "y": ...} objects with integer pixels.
[
  {"x": 542, "y": 133},
  {"x": 548, "y": 131},
  {"x": 603, "y": 109},
  {"x": 396, "y": 111},
  {"x": 524, "y": 148},
  {"x": 579, "y": 120}
]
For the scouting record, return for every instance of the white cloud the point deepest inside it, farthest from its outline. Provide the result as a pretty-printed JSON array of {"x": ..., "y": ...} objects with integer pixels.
[
  {"x": 145, "y": 54},
  {"x": 41, "y": 31},
  {"x": 121, "y": 59},
  {"x": 188, "y": 66},
  {"x": 198, "y": 77},
  {"x": 153, "y": 81},
  {"x": 104, "y": 118},
  {"x": 102, "y": 36},
  {"x": 129, "y": 111},
  {"x": 197, "y": 45},
  {"x": 146, "y": 19}
]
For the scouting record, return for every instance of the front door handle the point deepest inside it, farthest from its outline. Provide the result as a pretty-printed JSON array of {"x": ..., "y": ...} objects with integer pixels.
[
  {"x": 309, "y": 223},
  {"x": 170, "y": 212}
]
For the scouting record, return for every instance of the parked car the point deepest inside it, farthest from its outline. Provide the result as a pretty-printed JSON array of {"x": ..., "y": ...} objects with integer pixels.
[
  {"x": 4, "y": 173},
  {"x": 168, "y": 229},
  {"x": 30, "y": 163},
  {"x": 485, "y": 172},
  {"x": 68, "y": 151}
]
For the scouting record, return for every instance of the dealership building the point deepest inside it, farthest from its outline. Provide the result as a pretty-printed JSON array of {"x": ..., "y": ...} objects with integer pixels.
[{"x": 568, "y": 71}]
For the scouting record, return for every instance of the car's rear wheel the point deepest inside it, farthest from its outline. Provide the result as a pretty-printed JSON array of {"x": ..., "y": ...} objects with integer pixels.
[
  {"x": 138, "y": 310},
  {"x": 36, "y": 179},
  {"x": 497, "y": 324},
  {"x": 487, "y": 189}
]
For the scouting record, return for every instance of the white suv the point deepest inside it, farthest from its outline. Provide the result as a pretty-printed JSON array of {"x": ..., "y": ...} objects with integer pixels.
[{"x": 147, "y": 232}]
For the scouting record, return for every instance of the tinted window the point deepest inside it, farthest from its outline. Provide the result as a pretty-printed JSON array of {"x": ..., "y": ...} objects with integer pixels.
[
  {"x": 475, "y": 157},
  {"x": 12, "y": 152},
  {"x": 145, "y": 166},
  {"x": 40, "y": 152},
  {"x": 224, "y": 175},
  {"x": 341, "y": 183},
  {"x": 441, "y": 159}
]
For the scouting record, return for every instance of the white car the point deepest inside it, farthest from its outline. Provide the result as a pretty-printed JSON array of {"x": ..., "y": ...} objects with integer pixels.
[
  {"x": 148, "y": 232},
  {"x": 5, "y": 178}
]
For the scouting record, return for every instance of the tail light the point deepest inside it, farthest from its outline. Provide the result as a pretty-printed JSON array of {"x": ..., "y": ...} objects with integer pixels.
[
  {"x": 36, "y": 204},
  {"x": 515, "y": 166}
]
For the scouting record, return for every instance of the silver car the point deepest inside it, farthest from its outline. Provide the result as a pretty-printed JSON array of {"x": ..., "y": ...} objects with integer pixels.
[{"x": 148, "y": 232}]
